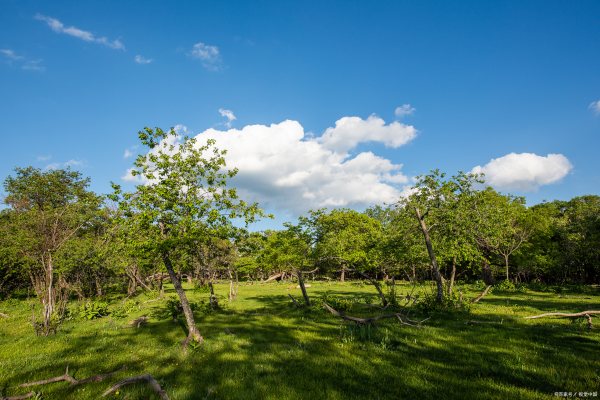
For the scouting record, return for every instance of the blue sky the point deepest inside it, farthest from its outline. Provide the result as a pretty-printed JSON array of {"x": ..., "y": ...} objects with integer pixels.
[{"x": 483, "y": 80}]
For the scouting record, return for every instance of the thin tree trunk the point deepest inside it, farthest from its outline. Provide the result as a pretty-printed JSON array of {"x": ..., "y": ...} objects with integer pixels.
[
  {"x": 506, "y": 264},
  {"x": 434, "y": 264},
  {"x": 343, "y": 276},
  {"x": 302, "y": 287},
  {"x": 49, "y": 301},
  {"x": 193, "y": 332},
  {"x": 452, "y": 276}
]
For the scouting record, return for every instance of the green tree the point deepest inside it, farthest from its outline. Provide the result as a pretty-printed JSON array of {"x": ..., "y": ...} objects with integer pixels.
[
  {"x": 184, "y": 199},
  {"x": 347, "y": 239},
  {"x": 444, "y": 205},
  {"x": 49, "y": 208},
  {"x": 503, "y": 224}
]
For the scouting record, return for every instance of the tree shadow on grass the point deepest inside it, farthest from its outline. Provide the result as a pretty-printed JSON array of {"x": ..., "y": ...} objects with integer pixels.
[{"x": 286, "y": 353}]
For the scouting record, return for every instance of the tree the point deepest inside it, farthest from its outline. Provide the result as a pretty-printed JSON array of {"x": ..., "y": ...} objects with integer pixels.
[
  {"x": 184, "y": 199},
  {"x": 49, "y": 208},
  {"x": 288, "y": 249},
  {"x": 347, "y": 239},
  {"x": 502, "y": 224},
  {"x": 443, "y": 204}
]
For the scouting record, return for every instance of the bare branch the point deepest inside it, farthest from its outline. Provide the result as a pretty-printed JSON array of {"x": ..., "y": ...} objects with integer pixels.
[{"x": 135, "y": 379}]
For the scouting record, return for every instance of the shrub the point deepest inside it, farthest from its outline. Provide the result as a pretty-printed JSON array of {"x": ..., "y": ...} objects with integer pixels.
[{"x": 93, "y": 310}]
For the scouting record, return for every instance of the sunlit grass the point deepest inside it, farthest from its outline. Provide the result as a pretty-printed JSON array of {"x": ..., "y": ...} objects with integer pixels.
[{"x": 261, "y": 346}]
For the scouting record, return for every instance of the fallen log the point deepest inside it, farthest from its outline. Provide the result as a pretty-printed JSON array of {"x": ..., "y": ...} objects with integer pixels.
[
  {"x": 485, "y": 291},
  {"x": 135, "y": 379},
  {"x": 68, "y": 378},
  {"x": 583, "y": 314}
]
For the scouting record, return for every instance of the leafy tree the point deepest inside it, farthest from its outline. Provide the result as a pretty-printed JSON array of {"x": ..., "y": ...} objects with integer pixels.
[
  {"x": 347, "y": 239},
  {"x": 184, "y": 200},
  {"x": 49, "y": 208},
  {"x": 442, "y": 204},
  {"x": 288, "y": 249},
  {"x": 502, "y": 224}
]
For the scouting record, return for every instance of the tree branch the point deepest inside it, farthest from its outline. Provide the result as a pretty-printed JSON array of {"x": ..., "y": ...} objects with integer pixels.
[{"x": 135, "y": 379}]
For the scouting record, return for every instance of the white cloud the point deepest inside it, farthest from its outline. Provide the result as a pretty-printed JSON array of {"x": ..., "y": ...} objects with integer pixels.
[
  {"x": 595, "y": 107},
  {"x": 524, "y": 171},
  {"x": 10, "y": 54},
  {"x": 59, "y": 27},
  {"x": 209, "y": 55},
  {"x": 67, "y": 164},
  {"x": 284, "y": 170},
  {"x": 350, "y": 131},
  {"x": 29, "y": 65},
  {"x": 44, "y": 158},
  {"x": 229, "y": 115},
  {"x": 142, "y": 60},
  {"x": 403, "y": 110},
  {"x": 127, "y": 154}
]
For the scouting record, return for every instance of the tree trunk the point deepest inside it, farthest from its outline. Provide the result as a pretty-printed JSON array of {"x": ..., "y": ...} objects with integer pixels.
[
  {"x": 434, "y": 264},
  {"x": 452, "y": 276},
  {"x": 506, "y": 265},
  {"x": 343, "y": 276},
  {"x": 193, "y": 332},
  {"x": 302, "y": 287},
  {"x": 49, "y": 298},
  {"x": 214, "y": 303}
]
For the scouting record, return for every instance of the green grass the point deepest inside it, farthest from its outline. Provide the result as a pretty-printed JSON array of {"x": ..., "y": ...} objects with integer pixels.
[{"x": 261, "y": 347}]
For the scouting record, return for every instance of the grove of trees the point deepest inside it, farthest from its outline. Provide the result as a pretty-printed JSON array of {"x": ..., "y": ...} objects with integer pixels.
[{"x": 184, "y": 221}]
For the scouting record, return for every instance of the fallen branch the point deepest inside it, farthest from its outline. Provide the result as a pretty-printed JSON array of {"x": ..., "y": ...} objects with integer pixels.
[
  {"x": 485, "y": 291},
  {"x": 68, "y": 378},
  {"x": 274, "y": 277},
  {"x": 566, "y": 315},
  {"x": 365, "y": 321},
  {"x": 135, "y": 379},
  {"x": 583, "y": 314}
]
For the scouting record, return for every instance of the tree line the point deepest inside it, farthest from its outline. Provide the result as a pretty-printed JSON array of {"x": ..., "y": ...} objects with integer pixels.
[{"x": 59, "y": 240}]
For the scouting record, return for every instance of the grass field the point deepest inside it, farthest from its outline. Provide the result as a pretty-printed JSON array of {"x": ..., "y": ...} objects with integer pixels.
[{"x": 261, "y": 347}]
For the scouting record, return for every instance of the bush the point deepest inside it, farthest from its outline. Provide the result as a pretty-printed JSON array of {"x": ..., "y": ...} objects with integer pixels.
[{"x": 94, "y": 309}]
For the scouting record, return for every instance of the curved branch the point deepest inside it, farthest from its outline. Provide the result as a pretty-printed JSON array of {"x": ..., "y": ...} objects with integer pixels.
[{"x": 135, "y": 379}]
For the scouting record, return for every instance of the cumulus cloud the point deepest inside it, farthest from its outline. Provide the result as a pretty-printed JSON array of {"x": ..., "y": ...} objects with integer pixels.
[
  {"x": 284, "y": 169},
  {"x": 403, "y": 110},
  {"x": 229, "y": 115},
  {"x": 209, "y": 55},
  {"x": 595, "y": 107},
  {"x": 524, "y": 171},
  {"x": 142, "y": 60},
  {"x": 350, "y": 131},
  {"x": 86, "y": 36}
]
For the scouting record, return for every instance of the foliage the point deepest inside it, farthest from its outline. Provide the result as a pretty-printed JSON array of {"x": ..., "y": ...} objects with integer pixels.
[{"x": 93, "y": 310}]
